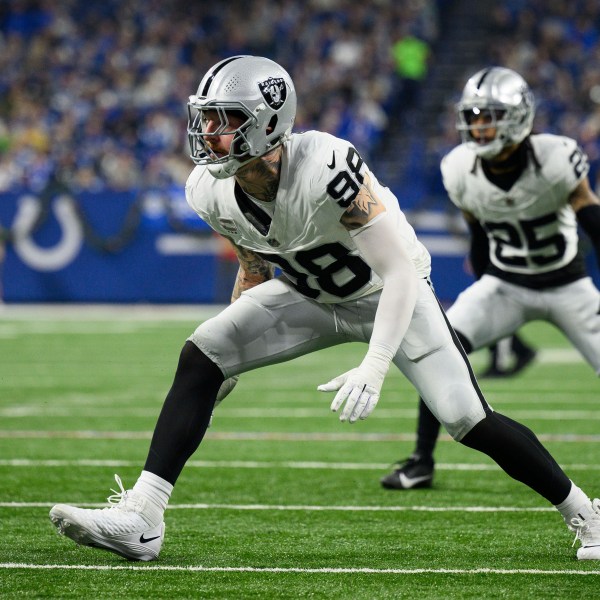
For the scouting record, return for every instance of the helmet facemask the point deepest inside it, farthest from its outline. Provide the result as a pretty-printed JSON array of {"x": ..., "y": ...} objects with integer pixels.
[
  {"x": 221, "y": 166},
  {"x": 493, "y": 119}
]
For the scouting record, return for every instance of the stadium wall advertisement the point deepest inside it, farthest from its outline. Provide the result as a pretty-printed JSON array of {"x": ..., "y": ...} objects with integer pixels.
[{"x": 149, "y": 247}]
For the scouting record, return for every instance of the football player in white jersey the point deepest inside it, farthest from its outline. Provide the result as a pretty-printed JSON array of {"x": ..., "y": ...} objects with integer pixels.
[
  {"x": 352, "y": 270},
  {"x": 523, "y": 196}
]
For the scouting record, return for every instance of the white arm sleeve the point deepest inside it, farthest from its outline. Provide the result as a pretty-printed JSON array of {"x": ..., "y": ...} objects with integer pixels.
[{"x": 381, "y": 247}]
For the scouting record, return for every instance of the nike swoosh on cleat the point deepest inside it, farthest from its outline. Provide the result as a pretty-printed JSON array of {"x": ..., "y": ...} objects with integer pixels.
[
  {"x": 332, "y": 165},
  {"x": 144, "y": 540},
  {"x": 408, "y": 482}
]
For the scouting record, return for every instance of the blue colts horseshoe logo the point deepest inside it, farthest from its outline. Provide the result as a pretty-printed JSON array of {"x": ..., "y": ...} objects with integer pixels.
[{"x": 52, "y": 258}]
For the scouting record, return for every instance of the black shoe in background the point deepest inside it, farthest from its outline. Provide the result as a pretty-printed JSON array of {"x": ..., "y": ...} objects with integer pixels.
[{"x": 412, "y": 472}]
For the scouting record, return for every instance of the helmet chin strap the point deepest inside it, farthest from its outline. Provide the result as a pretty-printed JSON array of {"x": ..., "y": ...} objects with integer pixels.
[
  {"x": 230, "y": 168},
  {"x": 224, "y": 170}
]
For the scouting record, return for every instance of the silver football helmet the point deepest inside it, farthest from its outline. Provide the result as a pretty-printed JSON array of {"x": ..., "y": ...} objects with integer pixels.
[
  {"x": 251, "y": 87},
  {"x": 505, "y": 98}
]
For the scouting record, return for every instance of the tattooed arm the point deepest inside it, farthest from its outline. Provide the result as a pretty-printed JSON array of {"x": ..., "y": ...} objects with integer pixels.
[
  {"x": 253, "y": 270},
  {"x": 379, "y": 243},
  {"x": 364, "y": 207}
]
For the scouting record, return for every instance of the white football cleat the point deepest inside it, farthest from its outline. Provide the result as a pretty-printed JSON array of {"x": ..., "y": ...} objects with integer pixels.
[
  {"x": 121, "y": 528},
  {"x": 588, "y": 532}
]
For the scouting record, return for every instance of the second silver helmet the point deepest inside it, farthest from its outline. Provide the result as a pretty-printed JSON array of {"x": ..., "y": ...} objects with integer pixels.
[{"x": 507, "y": 100}]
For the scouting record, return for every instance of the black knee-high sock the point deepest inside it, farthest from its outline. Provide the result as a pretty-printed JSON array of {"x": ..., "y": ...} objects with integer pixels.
[
  {"x": 428, "y": 429},
  {"x": 518, "y": 451},
  {"x": 185, "y": 413}
]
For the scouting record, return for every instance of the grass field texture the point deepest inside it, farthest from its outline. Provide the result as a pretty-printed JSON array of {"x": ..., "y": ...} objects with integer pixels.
[{"x": 281, "y": 500}]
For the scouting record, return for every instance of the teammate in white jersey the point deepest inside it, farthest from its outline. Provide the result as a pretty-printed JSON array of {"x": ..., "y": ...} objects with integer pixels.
[
  {"x": 352, "y": 270},
  {"x": 522, "y": 196}
]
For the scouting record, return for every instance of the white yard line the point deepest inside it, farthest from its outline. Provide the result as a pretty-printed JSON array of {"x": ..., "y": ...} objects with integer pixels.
[
  {"x": 263, "y": 435},
  {"x": 310, "y": 508},
  {"x": 254, "y": 464},
  {"x": 323, "y": 570}
]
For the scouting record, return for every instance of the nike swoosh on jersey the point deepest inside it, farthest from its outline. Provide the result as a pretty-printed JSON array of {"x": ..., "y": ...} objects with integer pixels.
[
  {"x": 332, "y": 165},
  {"x": 144, "y": 540},
  {"x": 408, "y": 482}
]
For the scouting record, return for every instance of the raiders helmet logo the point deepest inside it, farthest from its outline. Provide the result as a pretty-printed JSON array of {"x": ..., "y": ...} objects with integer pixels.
[{"x": 274, "y": 91}]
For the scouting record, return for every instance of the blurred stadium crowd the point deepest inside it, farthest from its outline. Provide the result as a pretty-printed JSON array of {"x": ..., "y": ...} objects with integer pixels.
[
  {"x": 555, "y": 45},
  {"x": 94, "y": 91}
]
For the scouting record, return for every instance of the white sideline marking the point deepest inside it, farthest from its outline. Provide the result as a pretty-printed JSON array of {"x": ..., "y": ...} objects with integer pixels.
[
  {"x": 308, "y": 507},
  {"x": 333, "y": 570},
  {"x": 265, "y": 435},
  {"x": 257, "y": 464},
  {"x": 108, "y": 312}
]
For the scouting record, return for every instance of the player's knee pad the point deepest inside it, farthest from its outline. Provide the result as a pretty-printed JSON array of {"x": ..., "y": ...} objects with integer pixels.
[{"x": 460, "y": 410}]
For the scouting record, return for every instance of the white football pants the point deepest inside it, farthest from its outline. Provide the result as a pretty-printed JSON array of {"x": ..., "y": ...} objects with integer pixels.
[
  {"x": 273, "y": 323},
  {"x": 491, "y": 309}
]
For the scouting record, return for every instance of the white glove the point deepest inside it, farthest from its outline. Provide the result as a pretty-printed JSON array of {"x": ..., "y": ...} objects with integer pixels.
[
  {"x": 361, "y": 398},
  {"x": 224, "y": 391},
  {"x": 360, "y": 387}
]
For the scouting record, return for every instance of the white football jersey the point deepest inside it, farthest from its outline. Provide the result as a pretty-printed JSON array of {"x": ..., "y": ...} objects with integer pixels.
[
  {"x": 531, "y": 227},
  {"x": 320, "y": 176}
]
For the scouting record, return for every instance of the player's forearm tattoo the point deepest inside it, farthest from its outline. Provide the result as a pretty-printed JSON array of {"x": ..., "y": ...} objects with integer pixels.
[{"x": 253, "y": 270}]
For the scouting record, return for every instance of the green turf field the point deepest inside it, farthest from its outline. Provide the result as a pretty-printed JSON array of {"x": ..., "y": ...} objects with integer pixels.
[{"x": 281, "y": 500}]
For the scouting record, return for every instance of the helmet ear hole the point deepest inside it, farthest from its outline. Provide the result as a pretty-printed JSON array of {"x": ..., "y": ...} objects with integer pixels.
[{"x": 272, "y": 125}]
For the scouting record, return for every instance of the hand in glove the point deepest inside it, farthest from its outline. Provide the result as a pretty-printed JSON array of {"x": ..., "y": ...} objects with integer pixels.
[
  {"x": 361, "y": 398},
  {"x": 360, "y": 387}
]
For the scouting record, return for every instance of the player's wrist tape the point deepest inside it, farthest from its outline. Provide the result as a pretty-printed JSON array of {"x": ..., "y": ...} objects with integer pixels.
[{"x": 376, "y": 363}]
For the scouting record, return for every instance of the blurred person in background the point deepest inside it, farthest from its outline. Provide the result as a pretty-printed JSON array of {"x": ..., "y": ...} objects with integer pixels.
[{"x": 523, "y": 196}]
